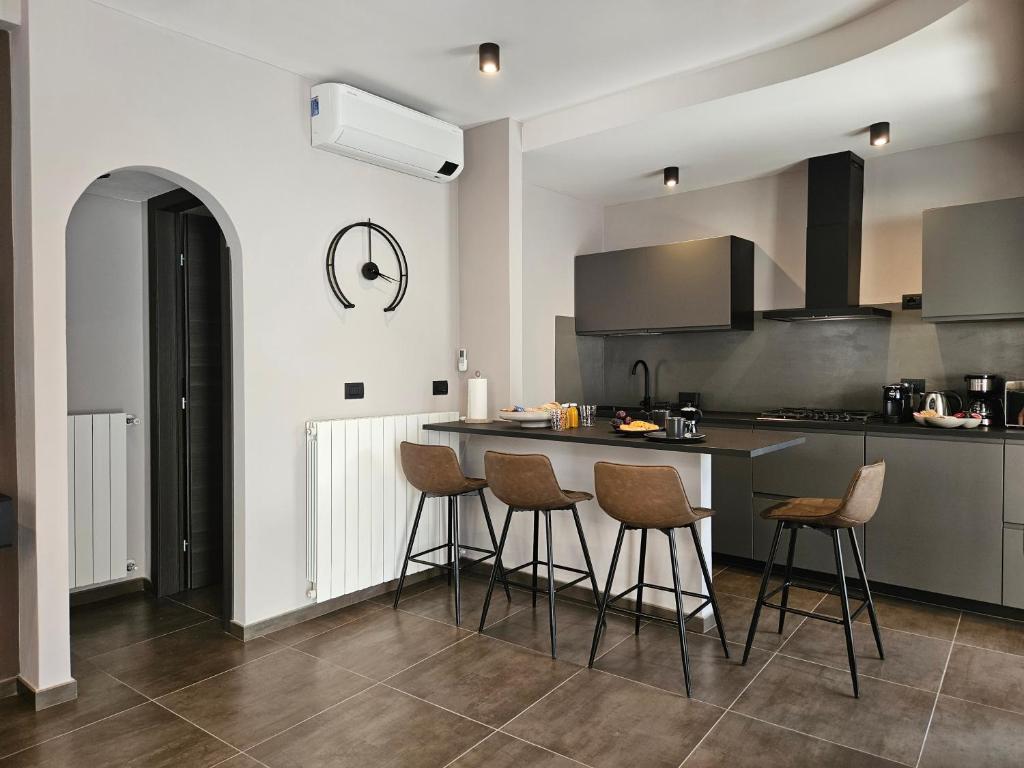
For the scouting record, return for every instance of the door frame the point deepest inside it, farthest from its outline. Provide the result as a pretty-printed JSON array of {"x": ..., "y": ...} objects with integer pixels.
[{"x": 165, "y": 454}]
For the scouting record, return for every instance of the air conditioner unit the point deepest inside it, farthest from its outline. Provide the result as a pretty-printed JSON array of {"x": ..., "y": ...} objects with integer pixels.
[{"x": 354, "y": 123}]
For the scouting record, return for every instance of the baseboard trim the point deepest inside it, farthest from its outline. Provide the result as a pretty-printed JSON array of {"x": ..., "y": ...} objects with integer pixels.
[
  {"x": 100, "y": 592},
  {"x": 247, "y": 632},
  {"x": 8, "y": 687},
  {"x": 48, "y": 697}
]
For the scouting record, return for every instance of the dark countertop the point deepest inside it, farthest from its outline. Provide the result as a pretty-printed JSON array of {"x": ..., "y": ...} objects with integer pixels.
[
  {"x": 719, "y": 442},
  {"x": 910, "y": 429}
]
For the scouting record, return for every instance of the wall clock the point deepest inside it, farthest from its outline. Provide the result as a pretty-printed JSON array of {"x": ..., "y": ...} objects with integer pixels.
[{"x": 372, "y": 270}]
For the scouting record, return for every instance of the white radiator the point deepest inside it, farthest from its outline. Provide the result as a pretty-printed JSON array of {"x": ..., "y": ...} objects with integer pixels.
[
  {"x": 359, "y": 506},
  {"x": 97, "y": 498}
]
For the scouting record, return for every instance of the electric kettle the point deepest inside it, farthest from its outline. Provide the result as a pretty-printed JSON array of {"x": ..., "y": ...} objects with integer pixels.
[{"x": 940, "y": 403}]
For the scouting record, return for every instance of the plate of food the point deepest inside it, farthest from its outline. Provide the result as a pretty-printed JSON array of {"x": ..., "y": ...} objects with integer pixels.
[
  {"x": 958, "y": 419},
  {"x": 532, "y": 417},
  {"x": 626, "y": 426}
]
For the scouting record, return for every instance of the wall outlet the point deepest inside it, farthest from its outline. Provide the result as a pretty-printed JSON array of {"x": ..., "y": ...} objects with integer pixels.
[
  {"x": 354, "y": 390},
  {"x": 441, "y": 387},
  {"x": 916, "y": 385},
  {"x": 912, "y": 301}
]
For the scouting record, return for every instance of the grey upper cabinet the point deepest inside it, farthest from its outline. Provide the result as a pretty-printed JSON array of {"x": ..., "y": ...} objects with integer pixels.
[
  {"x": 939, "y": 527},
  {"x": 696, "y": 285},
  {"x": 963, "y": 241}
]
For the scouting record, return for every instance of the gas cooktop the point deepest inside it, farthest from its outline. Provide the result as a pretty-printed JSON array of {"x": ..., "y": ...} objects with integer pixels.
[{"x": 817, "y": 414}]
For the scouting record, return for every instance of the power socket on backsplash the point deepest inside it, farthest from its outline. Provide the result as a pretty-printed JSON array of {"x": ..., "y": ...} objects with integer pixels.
[{"x": 916, "y": 385}]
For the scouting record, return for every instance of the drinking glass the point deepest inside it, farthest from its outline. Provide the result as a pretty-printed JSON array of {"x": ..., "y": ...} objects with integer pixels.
[
  {"x": 557, "y": 419},
  {"x": 587, "y": 413}
]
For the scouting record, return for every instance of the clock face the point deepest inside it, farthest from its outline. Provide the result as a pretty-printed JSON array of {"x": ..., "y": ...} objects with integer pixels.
[{"x": 394, "y": 269}]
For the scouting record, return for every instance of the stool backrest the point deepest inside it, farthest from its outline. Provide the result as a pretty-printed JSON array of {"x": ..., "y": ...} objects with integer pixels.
[
  {"x": 641, "y": 496},
  {"x": 431, "y": 468},
  {"x": 523, "y": 481},
  {"x": 861, "y": 500}
]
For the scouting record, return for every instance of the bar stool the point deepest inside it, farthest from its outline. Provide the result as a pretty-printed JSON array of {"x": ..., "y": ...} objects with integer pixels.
[
  {"x": 434, "y": 471},
  {"x": 645, "y": 498},
  {"x": 827, "y": 516},
  {"x": 527, "y": 482}
]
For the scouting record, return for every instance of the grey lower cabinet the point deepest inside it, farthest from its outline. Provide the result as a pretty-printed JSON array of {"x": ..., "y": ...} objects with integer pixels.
[
  {"x": 1013, "y": 491},
  {"x": 1013, "y": 566},
  {"x": 731, "y": 526},
  {"x": 939, "y": 527}
]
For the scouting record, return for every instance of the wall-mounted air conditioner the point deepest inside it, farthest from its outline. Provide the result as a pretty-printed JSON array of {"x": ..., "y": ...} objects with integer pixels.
[{"x": 354, "y": 123}]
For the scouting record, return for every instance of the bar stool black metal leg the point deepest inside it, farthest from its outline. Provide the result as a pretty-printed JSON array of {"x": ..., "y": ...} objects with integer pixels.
[
  {"x": 680, "y": 611},
  {"x": 454, "y": 502},
  {"x": 536, "y": 533},
  {"x": 760, "y": 594},
  {"x": 847, "y": 623},
  {"x": 551, "y": 582},
  {"x": 494, "y": 544},
  {"x": 408, "y": 549},
  {"x": 867, "y": 592},
  {"x": 494, "y": 569},
  {"x": 586, "y": 556},
  {"x": 607, "y": 595},
  {"x": 789, "y": 575},
  {"x": 640, "y": 579},
  {"x": 711, "y": 589},
  {"x": 448, "y": 549}
]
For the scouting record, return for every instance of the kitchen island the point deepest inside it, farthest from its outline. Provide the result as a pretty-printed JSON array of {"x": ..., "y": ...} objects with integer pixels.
[{"x": 573, "y": 453}]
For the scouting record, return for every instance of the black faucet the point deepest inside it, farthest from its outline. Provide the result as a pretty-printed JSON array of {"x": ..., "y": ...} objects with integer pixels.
[{"x": 646, "y": 404}]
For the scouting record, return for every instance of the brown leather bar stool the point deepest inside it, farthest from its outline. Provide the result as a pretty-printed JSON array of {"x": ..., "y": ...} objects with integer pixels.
[
  {"x": 434, "y": 471},
  {"x": 646, "y": 498},
  {"x": 827, "y": 516},
  {"x": 528, "y": 483}
]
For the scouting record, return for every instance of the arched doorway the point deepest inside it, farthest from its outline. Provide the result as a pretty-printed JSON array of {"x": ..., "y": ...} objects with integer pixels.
[{"x": 149, "y": 300}]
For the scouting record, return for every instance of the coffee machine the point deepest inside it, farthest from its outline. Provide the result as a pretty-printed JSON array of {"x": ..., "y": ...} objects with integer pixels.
[
  {"x": 984, "y": 397},
  {"x": 897, "y": 403}
]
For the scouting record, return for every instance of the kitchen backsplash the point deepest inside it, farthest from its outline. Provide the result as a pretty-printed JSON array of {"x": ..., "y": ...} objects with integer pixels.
[{"x": 839, "y": 364}]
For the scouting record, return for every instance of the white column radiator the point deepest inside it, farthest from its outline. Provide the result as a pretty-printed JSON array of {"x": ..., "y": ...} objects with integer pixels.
[
  {"x": 359, "y": 506},
  {"x": 97, "y": 498}
]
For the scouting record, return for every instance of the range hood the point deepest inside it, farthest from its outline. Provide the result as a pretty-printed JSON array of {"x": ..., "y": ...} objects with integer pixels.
[{"x": 835, "y": 201}]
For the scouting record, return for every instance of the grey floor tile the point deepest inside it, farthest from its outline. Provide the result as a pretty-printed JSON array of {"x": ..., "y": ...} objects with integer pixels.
[
  {"x": 484, "y": 679},
  {"x": 439, "y": 604},
  {"x": 991, "y": 633},
  {"x": 904, "y": 615},
  {"x": 499, "y": 750},
  {"x": 379, "y": 727},
  {"x": 741, "y": 742},
  {"x": 383, "y": 643},
  {"x": 297, "y": 633},
  {"x": 986, "y": 677},
  {"x": 887, "y": 720},
  {"x": 101, "y": 627},
  {"x": 909, "y": 659},
  {"x": 388, "y": 598},
  {"x": 260, "y": 699},
  {"x": 603, "y": 720},
  {"x": 653, "y": 657},
  {"x": 147, "y": 735},
  {"x": 743, "y": 583},
  {"x": 737, "y": 613},
  {"x": 172, "y": 661},
  {"x": 967, "y": 734}
]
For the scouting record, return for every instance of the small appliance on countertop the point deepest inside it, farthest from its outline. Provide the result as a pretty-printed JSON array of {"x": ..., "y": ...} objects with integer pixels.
[
  {"x": 897, "y": 403},
  {"x": 941, "y": 402},
  {"x": 985, "y": 396},
  {"x": 1013, "y": 402}
]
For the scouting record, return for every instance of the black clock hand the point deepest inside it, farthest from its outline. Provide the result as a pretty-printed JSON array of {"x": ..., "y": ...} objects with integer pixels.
[{"x": 389, "y": 279}]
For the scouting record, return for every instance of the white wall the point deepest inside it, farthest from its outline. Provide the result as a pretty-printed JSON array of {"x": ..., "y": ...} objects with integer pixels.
[
  {"x": 556, "y": 228},
  {"x": 235, "y": 132},
  {"x": 772, "y": 212},
  {"x": 107, "y": 322}
]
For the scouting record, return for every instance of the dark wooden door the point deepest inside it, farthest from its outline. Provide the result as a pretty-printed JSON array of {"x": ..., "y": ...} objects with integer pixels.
[{"x": 205, "y": 259}]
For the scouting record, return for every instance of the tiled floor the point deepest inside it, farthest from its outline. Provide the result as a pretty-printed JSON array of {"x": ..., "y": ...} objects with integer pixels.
[{"x": 367, "y": 686}]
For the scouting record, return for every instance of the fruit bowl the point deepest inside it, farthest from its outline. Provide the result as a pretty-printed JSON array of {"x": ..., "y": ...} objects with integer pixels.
[
  {"x": 529, "y": 419},
  {"x": 946, "y": 422},
  {"x": 920, "y": 419},
  {"x": 971, "y": 423}
]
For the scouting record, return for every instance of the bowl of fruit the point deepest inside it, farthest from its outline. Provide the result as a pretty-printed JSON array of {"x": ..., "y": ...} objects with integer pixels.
[
  {"x": 529, "y": 417},
  {"x": 624, "y": 424},
  {"x": 958, "y": 419}
]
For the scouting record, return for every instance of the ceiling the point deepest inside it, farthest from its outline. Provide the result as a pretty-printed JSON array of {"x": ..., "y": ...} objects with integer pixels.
[{"x": 554, "y": 52}]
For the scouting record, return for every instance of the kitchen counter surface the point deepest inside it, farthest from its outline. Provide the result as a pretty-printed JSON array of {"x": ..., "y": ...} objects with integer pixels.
[
  {"x": 719, "y": 442},
  {"x": 911, "y": 429}
]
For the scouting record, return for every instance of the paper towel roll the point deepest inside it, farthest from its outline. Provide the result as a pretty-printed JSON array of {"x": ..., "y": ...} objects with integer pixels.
[{"x": 476, "y": 401}]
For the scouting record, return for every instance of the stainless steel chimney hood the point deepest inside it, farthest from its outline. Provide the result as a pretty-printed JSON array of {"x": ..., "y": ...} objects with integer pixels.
[{"x": 835, "y": 201}]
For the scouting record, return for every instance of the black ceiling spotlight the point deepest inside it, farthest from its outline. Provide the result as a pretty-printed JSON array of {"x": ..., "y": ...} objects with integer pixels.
[
  {"x": 879, "y": 134},
  {"x": 490, "y": 58},
  {"x": 671, "y": 175}
]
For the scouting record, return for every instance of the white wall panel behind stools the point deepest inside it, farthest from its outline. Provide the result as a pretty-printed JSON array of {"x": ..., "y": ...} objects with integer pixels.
[
  {"x": 97, "y": 498},
  {"x": 359, "y": 506}
]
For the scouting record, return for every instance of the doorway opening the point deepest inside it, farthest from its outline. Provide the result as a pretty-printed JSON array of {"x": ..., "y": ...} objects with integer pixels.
[{"x": 149, "y": 346}]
